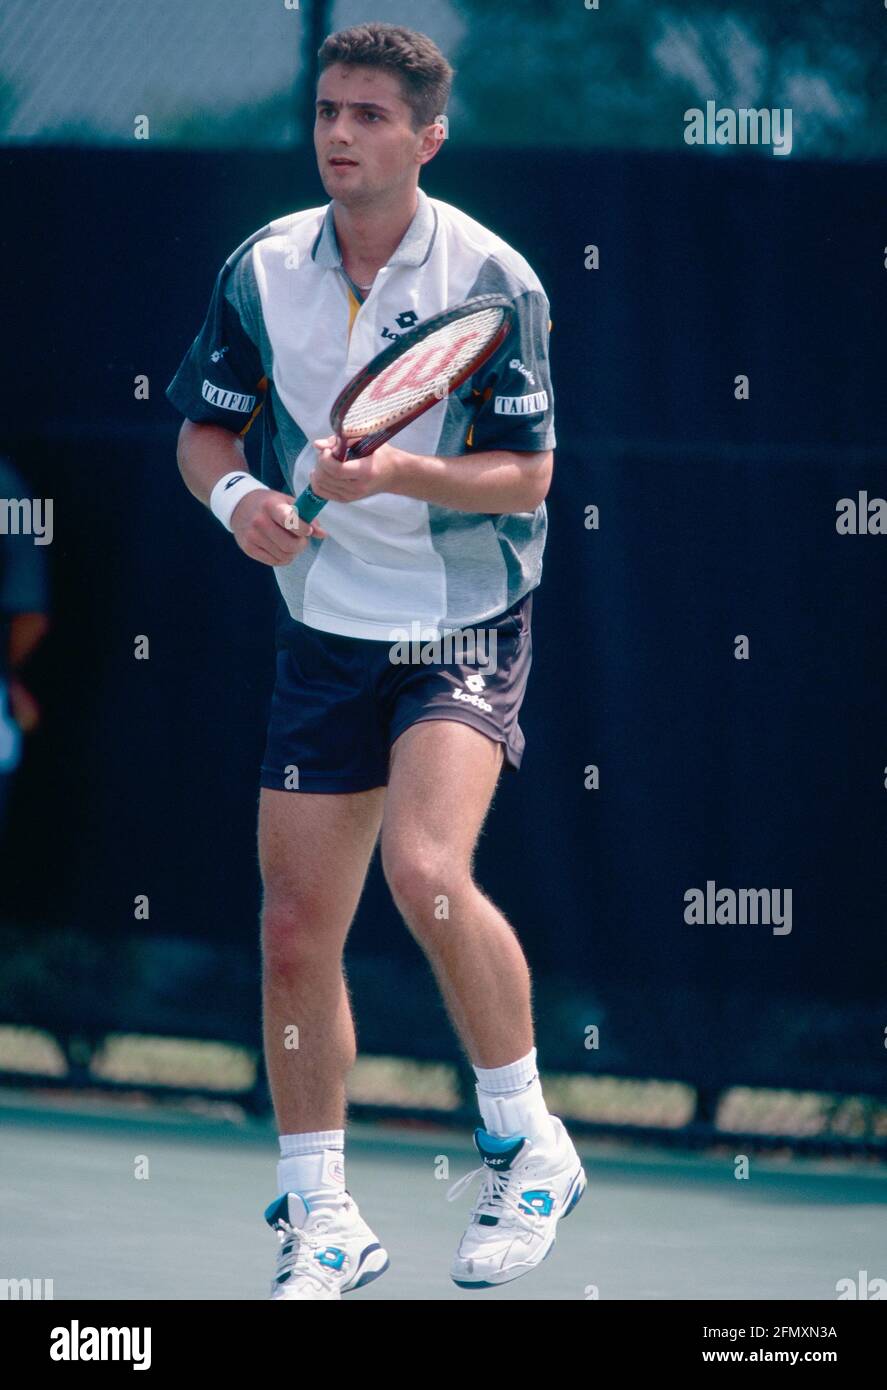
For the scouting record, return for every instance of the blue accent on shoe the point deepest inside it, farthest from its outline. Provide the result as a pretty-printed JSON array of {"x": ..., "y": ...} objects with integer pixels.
[
  {"x": 331, "y": 1256},
  {"x": 538, "y": 1201},
  {"x": 495, "y": 1143},
  {"x": 369, "y": 1274},
  {"x": 498, "y": 1152},
  {"x": 277, "y": 1209},
  {"x": 580, "y": 1189},
  {"x": 368, "y": 1250}
]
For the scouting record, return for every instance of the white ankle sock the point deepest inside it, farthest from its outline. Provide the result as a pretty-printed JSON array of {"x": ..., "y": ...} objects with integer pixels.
[
  {"x": 511, "y": 1101},
  {"x": 313, "y": 1164}
]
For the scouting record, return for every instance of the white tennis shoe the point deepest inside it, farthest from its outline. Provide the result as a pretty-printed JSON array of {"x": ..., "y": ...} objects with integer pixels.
[
  {"x": 324, "y": 1251},
  {"x": 526, "y": 1189}
]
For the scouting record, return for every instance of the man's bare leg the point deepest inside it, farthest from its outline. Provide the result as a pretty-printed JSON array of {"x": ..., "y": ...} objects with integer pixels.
[
  {"x": 441, "y": 782},
  {"x": 314, "y": 852}
]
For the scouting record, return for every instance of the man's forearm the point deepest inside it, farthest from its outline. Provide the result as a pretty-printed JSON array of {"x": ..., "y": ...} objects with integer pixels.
[
  {"x": 205, "y": 454},
  {"x": 495, "y": 481}
]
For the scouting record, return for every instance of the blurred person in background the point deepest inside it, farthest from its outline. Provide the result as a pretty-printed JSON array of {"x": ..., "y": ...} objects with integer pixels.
[{"x": 24, "y": 620}]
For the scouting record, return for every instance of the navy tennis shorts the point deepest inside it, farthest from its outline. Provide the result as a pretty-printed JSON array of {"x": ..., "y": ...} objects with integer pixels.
[{"x": 340, "y": 702}]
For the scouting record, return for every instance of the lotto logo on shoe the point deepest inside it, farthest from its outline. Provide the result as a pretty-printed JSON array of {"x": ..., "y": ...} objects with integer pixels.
[
  {"x": 332, "y": 1256},
  {"x": 540, "y": 1202}
]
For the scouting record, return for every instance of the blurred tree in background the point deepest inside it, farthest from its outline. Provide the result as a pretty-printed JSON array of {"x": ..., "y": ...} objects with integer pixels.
[
  {"x": 551, "y": 72},
  {"x": 231, "y": 73}
]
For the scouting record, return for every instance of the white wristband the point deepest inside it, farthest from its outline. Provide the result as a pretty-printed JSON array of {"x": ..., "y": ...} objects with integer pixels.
[{"x": 230, "y": 490}]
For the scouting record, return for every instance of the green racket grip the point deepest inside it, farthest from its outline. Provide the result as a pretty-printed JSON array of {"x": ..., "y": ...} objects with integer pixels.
[{"x": 308, "y": 504}]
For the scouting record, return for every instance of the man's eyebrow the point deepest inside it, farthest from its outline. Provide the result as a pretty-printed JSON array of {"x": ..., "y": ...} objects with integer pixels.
[{"x": 366, "y": 105}]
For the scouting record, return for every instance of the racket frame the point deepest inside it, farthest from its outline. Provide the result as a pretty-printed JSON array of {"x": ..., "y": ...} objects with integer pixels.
[{"x": 359, "y": 448}]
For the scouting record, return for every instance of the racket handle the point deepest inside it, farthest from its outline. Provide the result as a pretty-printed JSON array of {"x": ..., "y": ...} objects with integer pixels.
[{"x": 308, "y": 504}]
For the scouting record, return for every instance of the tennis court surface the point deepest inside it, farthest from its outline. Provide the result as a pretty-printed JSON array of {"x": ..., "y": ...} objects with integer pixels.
[{"x": 652, "y": 1224}]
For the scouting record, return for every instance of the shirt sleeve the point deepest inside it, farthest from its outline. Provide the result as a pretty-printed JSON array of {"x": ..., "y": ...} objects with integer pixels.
[
  {"x": 516, "y": 401},
  {"x": 221, "y": 380}
]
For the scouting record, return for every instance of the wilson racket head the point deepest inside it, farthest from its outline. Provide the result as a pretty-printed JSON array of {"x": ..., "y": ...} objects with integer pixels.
[{"x": 417, "y": 371}]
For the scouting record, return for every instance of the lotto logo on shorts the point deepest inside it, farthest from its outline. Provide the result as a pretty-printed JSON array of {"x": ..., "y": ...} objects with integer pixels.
[
  {"x": 227, "y": 400},
  {"x": 473, "y": 700}
]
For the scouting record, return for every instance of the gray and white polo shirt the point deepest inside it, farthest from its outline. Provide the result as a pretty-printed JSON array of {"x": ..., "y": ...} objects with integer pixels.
[{"x": 284, "y": 334}]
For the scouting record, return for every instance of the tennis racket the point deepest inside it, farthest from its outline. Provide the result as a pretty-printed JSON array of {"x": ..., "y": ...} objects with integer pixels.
[{"x": 412, "y": 375}]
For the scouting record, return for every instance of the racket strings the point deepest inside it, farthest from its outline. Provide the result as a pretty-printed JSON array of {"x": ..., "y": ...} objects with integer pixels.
[{"x": 426, "y": 371}]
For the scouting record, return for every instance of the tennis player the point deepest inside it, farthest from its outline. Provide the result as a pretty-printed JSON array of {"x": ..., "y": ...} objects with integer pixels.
[
  {"x": 441, "y": 529},
  {"x": 24, "y": 622}
]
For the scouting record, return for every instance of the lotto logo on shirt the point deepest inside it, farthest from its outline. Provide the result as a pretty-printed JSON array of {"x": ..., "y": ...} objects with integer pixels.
[
  {"x": 532, "y": 404},
  {"x": 227, "y": 400}
]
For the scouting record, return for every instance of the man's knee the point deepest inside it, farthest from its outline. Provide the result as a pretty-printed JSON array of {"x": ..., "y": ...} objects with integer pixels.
[
  {"x": 424, "y": 883},
  {"x": 298, "y": 930}
]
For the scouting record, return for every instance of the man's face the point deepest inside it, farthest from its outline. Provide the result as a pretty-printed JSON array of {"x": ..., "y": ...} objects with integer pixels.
[{"x": 363, "y": 119}]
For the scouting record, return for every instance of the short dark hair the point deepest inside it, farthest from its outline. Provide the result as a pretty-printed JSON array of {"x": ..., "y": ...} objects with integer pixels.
[{"x": 426, "y": 76}]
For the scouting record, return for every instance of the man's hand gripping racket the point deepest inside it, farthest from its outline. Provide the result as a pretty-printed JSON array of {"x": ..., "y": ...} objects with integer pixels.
[{"x": 416, "y": 372}]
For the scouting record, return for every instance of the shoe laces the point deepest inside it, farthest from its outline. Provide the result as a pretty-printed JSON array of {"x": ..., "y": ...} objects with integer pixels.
[
  {"x": 498, "y": 1196},
  {"x": 300, "y": 1247}
]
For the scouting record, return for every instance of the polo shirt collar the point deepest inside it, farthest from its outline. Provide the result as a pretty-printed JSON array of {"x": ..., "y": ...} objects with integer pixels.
[{"x": 415, "y": 244}]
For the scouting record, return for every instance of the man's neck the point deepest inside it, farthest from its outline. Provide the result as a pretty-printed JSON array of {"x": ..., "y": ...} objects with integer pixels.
[{"x": 369, "y": 237}]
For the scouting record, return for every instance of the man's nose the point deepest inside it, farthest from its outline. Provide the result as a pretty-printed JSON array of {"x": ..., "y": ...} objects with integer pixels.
[{"x": 339, "y": 128}]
